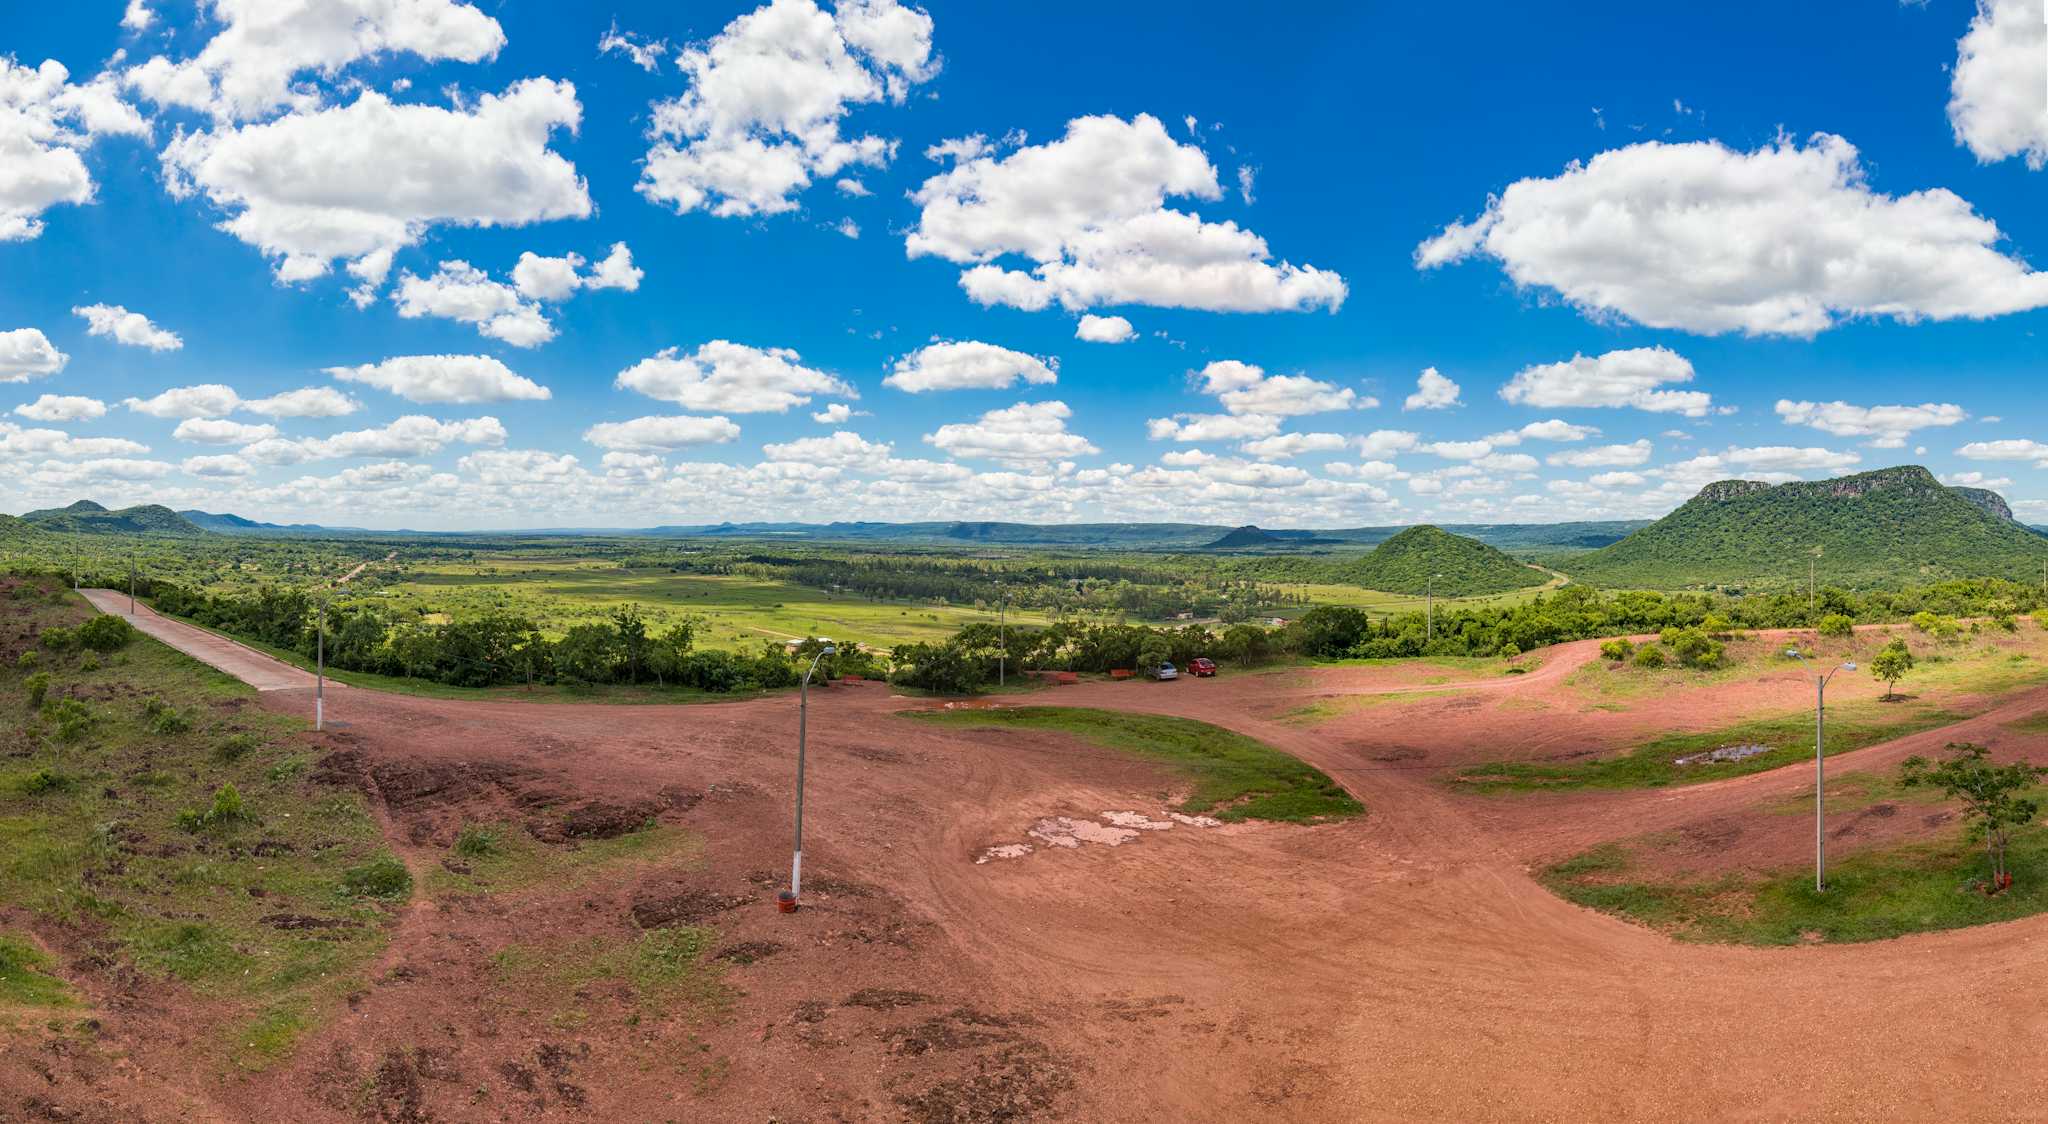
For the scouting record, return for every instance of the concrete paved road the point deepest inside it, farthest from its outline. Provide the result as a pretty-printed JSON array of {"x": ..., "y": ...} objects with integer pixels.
[{"x": 244, "y": 663}]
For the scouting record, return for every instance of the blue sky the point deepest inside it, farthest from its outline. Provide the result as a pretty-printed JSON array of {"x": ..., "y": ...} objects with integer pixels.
[{"x": 1741, "y": 240}]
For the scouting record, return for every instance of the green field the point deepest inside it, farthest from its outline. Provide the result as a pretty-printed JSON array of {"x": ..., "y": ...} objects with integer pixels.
[{"x": 732, "y": 611}]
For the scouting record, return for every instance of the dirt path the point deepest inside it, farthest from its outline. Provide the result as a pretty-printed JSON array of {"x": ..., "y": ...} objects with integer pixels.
[
  {"x": 265, "y": 673},
  {"x": 1400, "y": 967}
]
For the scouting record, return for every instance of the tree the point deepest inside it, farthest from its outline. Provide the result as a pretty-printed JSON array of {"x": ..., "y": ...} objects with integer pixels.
[
  {"x": 1991, "y": 796},
  {"x": 1836, "y": 624},
  {"x": 1891, "y": 665}
]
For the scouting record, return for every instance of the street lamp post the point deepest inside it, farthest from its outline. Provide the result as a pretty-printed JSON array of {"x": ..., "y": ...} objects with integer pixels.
[
  {"x": 1429, "y": 588},
  {"x": 1820, "y": 713},
  {"x": 320, "y": 669},
  {"x": 803, "y": 709},
  {"x": 131, "y": 589}
]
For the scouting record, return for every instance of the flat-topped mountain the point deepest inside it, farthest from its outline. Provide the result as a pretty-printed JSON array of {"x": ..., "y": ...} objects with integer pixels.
[{"x": 1893, "y": 526}]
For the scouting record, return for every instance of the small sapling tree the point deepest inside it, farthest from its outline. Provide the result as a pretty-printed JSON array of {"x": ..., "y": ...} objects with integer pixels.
[
  {"x": 1891, "y": 665},
  {"x": 1993, "y": 796}
]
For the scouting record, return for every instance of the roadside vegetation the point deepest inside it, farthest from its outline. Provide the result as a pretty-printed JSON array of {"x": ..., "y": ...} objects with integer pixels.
[
  {"x": 1234, "y": 777},
  {"x": 1994, "y": 868},
  {"x": 153, "y": 820}
]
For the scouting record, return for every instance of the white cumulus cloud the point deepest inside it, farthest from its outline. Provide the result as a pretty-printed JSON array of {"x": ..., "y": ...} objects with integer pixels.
[
  {"x": 460, "y": 379},
  {"x": 1089, "y": 212},
  {"x": 660, "y": 434},
  {"x": 969, "y": 365},
  {"x": 1888, "y": 427},
  {"x": 1785, "y": 240},
  {"x": 732, "y": 377},
  {"x": 26, "y": 353},
  {"x": 45, "y": 123},
  {"x": 220, "y": 431},
  {"x": 767, "y": 96},
  {"x": 1103, "y": 329},
  {"x": 208, "y": 400},
  {"x": 62, "y": 408},
  {"x": 123, "y": 326},
  {"x": 1635, "y": 377},
  {"x": 1027, "y": 433},
  {"x": 1996, "y": 104},
  {"x": 1433, "y": 391}
]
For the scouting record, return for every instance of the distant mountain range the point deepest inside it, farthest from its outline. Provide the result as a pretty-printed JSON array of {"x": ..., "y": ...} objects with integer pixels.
[{"x": 1890, "y": 527}]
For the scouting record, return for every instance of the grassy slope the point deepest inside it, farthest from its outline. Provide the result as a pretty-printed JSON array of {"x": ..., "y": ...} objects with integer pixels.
[
  {"x": 1403, "y": 564},
  {"x": 1897, "y": 526},
  {"x": 1235, "y": 777},
  {"x": 1872, "y": 895},
  {"x": 91, "y": 850}
]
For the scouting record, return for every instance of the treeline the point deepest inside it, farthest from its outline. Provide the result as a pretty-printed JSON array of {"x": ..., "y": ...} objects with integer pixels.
[
  {"x": 967, "y": 661},
  {"x": 493, "y": 649}
]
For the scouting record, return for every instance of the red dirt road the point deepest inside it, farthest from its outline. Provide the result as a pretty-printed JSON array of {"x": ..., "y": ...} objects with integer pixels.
[{"x": 1400, "y": 967}]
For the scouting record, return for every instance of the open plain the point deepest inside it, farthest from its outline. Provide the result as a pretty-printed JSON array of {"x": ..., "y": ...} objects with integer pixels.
[{"x": 1406, "y": 964}]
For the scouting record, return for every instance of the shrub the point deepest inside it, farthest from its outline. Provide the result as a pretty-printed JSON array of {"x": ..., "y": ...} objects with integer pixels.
[
  {"x": 169, "y": 721},
  {"x": 287, "y": 769},
  {"x": 38, "y": 689},
  {"x": 44, "y": 780},
  {"x": 381, "y": 877},
  {"x": 226, "y": 809},
  {"x": 1618, "y": 649},
  {"x": 1693, "y": 648},
  {"x": 1836, "y": 624},
  {"x": 73, "y": 718},
  {"x": 28, "y": 661},
  {"x": 475, "y": 842},
  {"x": 91, "y": 662},
  {"x": 234, "y": 747},
  {"x": 57, "y": 639},
  {"x": 1649, "y": 656},
  {"x": 1925, "y": 621},
  {"x": 105, "y": 633}
]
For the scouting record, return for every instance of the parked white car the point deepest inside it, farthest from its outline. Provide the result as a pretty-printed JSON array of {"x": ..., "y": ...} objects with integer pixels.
[{"x": 1166, "y": 671}]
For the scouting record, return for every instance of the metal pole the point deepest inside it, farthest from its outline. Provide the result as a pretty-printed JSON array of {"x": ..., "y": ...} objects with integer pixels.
[
  {"x": 1812, "y": 567},
  {"x": 131, "y": 589},
  {"x": 1820, "y": 839},
  {"x": 1429, "y": 589},
  {"x": 803, "y": 715},
  {"x": 1002, "y": 634},
  {"x": 320, "y": 671}
]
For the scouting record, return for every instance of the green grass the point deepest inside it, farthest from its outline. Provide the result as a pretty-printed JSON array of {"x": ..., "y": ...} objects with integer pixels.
[
  {"x": 514, "y": 860},
  {"x": 1235, "y": 777},
  {"x": 101, "y": 849},
  {"x": 732, "y": 611},
  {"x": 26, "y": 979},
  {"x": 1850, "y": 727},
  {"x": 2031, "y": 724},
  {"x": 664, "y": 970},
  {"x": 1322, "y": 710},
  {"x": 1872, "y": 895}
]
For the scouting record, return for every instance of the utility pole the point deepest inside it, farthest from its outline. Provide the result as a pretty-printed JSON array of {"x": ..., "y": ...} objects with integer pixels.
[
  {"x": 1002, "y": 634},
  {"x": 1820, "y": 727},
  {"x": 320, "y": 672},
  {"x": 787, "y": 901},
  {"x": 1429, "y": 589},
  {"x": 131, "y": 587}
]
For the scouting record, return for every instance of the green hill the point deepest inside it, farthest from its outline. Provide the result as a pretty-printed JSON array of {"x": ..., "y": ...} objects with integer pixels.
[
  {"x": 1463, "y": 566},
  {"x": 1891, "y": 527},
  {"x": 88, "y": 518}
]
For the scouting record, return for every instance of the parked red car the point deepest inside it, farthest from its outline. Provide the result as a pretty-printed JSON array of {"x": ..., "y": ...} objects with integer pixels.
[{"x": 1203, "y": 667}]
